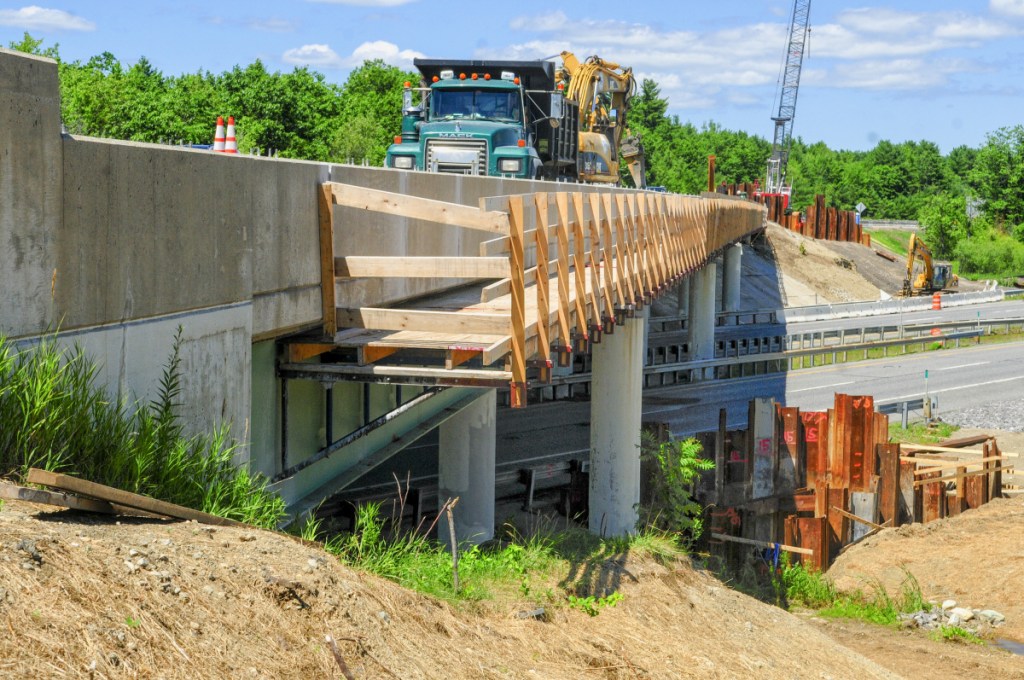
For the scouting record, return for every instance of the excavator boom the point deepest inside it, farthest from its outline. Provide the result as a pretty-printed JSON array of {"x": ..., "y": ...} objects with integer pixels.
[{"x": 603, "y": 90}]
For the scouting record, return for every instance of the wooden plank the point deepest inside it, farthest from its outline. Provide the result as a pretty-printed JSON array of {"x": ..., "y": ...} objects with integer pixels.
[
  {"x": 598, "y": 248},
  {"x": 562, "y": 270},
  {"x": 371, "y": 354},
  {"x": 949, "y": 449},
  {"x": 762, "y": 544},
  {"x": 300, "y": 351},
  {"x": 592, "y": 293},
  {"x": 954, "y": 464},
  {"x": 540, "y": 201},
  {"x": 958, "y": 503},
  {"x": 855, "y": 518},
  {"x": 361, "y": 266},
  {"x": 611, "y": 275},
  {"x": 327, "y": 292},
  {"x": 414, "y": 207},
  {"x": 379, "y": 318},
  {"x": 616, "y": 250},
  {"x": 131, "y": 500},
  {"x": 458, "y": 356},
  {"x": 974, "y": 473},
  {"x": 13, "y": 492},
  {"x": 578, "y": 263},
  {"x": 517, "y": 356}
]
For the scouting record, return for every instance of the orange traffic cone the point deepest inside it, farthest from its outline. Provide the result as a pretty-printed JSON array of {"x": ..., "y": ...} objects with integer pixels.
[
  {"x": 218, "y": 136},
  {"x": 232, "y": 143}
]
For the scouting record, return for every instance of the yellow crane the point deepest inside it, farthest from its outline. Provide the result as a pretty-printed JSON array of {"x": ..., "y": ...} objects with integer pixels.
[{"x": 602, "y": 90}]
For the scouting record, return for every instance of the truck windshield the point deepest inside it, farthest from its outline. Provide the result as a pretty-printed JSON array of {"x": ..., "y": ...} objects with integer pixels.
[{"x": 498, "y": 105}]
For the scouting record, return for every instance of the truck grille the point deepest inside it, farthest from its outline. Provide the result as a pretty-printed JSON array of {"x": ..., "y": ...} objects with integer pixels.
[{"x": 458, "y": 156}]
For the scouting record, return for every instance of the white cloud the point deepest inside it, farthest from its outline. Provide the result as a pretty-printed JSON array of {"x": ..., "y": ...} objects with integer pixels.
[
  {"x": 386, "y": 51},
  {"x": 365, "y": 3},
  {"x": 35, "y": 18},
  {"x": 322, "y": 56},
  {"x": 898, "y": 74},
  {"x": 317, "y": 55},
  {"x": 1009, "y": 7},
  {"x": 272, "y": 25}
]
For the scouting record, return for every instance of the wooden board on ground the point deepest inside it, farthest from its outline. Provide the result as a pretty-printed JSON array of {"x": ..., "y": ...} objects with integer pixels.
[{"x": 125, "y": 498}]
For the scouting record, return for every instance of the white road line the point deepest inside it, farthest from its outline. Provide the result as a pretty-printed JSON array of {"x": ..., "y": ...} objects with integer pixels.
[
  {"x": 663, "y": 410},
  {"x": 953, "y": 389},
  {"x": 923, "y": 319},
  {"x": 950, "y": 368},
  {"x": 821, "y": 387}
]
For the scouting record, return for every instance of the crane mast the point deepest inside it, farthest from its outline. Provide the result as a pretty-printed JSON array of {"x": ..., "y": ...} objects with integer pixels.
[{"x": 799, "y": 31}]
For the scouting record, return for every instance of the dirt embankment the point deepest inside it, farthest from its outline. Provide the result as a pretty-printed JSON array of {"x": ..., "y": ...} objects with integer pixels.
[
  {"x": 820, "y": 272},
  {"x": 84, "y": 596}
]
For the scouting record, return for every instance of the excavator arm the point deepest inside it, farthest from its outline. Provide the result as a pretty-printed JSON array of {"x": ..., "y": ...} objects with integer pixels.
[{"x": 603, "y": 90}]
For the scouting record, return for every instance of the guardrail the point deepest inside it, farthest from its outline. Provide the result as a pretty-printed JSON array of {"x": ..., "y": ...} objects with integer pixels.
[{"x": 848, "y": 310}]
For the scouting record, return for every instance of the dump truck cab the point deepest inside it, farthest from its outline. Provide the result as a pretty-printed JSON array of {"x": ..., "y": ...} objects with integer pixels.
[{"x": 477, "y": 118}]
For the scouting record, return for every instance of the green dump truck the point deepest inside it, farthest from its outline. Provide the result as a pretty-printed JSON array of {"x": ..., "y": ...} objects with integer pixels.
[{"x": 498, "y": 118}]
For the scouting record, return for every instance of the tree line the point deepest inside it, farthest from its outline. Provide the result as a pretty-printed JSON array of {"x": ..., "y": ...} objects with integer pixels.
[{"x": 969, "y": 201}]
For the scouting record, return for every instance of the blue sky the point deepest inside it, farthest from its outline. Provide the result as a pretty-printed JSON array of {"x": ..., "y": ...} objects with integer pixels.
[{"x": 940, "y": 70}]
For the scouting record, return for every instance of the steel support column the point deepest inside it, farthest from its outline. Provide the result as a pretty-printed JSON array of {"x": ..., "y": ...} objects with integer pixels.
[{"x": 731, "y": 278}]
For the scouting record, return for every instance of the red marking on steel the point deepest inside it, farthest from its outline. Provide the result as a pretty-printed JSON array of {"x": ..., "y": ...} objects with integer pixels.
[
  {"x": 811, "y": 434},
  {"x": 789, "y": 436}
]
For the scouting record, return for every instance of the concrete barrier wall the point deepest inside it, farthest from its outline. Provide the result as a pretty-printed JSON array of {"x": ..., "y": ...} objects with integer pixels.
[
  {"x": 848, "y": 310},
  {"x": 30, "y": 190}
]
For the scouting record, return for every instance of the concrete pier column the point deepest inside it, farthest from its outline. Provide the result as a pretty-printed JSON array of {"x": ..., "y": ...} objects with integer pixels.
[
  {"x": 683, "y": 297},
  {"x": 615, "y": 415},
  {"x": 702, "y": 313},
  {"x": 731, "y": 278},
  {"x": 466, "y": 470}
]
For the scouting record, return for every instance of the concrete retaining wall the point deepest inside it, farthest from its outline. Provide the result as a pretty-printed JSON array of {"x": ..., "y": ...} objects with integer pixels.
[{"x": 848, "y": 310}]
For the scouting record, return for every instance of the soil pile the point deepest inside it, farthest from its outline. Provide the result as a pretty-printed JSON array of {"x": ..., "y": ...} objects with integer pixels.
[{"x": 88, "y": 596}]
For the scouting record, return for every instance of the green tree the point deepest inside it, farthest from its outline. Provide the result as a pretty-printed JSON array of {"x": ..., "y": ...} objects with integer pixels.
[{"x": 998, "y": 178}]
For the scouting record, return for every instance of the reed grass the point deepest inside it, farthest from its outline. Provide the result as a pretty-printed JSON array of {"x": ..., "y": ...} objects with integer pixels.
[{"x": 55, "y": 417}]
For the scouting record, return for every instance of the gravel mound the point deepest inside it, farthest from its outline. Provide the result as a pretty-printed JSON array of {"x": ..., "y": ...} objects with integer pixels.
[{"x": 998, "y": 415}]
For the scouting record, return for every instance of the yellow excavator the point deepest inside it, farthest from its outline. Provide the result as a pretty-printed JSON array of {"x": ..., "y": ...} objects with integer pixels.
[
  {"x": 928, "y": 276},
  {"x": 603, "y": 91}
]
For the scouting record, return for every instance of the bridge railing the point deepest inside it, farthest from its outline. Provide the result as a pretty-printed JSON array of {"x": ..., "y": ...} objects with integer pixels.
[{"x": 562, "y": 269}]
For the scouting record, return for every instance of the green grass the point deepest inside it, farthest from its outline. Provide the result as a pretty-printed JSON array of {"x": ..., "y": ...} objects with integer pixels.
[
  {"x": 811, "y": 589},
  {"x": 921, "y": 433},
  {"x": 894, "y": 239},
  {"x": 946, "y": 633},
  {"x": 558, "y": 568},
  {"x": 53, "y": 416}
]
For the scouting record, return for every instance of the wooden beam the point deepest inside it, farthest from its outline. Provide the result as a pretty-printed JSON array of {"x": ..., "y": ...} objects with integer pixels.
[
  {"x": 762, "y": 544},
  {"x": 361, "y": 266},
  {"x": 953, "y": 478},
  {"x": 543, "y": 288},
  {"x": 417, "y": 208},
  {"x": 12, "y": 492},
  {"x": 949, "y": 449},
  {"x": 456, "y": 356},
  {"x": 855, "y": 518},
  {"x": 517, "y": 356},
  {"x": 378, "y": 318},
  {"x": 300, "y": 351},
  {"x": 954, "y": 464},
  {"x": 327, "y": 292},
  {"x": 562, "y": 269},
  {"x": 131, "y": 500},
  {"x": 580, "y": 209},
  {"x": 371, "y": 354}
]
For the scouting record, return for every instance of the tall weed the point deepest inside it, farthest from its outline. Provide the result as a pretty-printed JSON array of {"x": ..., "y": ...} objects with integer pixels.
[{"x": 53, "y": 416}]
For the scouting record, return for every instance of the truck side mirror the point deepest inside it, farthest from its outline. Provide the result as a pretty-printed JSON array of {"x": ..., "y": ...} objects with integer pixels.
[{"x": 556, "y": 106}]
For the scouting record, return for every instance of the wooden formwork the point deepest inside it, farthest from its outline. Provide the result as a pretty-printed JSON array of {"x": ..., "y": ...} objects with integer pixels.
[
  {"x": 560, "y": 269},
  {"x": 834, "y": 478}
]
